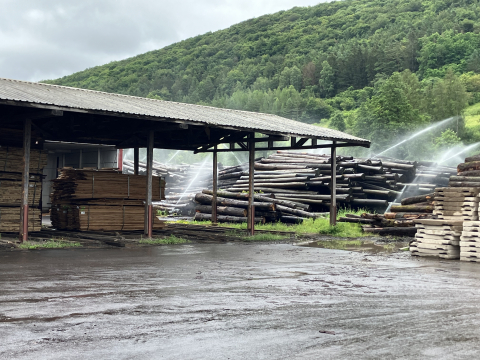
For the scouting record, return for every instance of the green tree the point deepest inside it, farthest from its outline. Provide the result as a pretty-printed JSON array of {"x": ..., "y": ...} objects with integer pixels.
[{"x": 326, "y": 82}]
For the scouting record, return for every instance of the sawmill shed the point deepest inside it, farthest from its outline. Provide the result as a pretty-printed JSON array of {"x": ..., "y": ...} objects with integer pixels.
[{"x": 34, "y": 114}]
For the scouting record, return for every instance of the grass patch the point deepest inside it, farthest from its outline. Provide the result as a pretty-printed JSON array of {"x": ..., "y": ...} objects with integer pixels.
[
  {"x": 309, "y": 226},
  {"x": 260, "y": 237},
  {"x": 170, "y": 240},
  {"x": 472, "y": 119},
  {"x": 50, "y": 244}
]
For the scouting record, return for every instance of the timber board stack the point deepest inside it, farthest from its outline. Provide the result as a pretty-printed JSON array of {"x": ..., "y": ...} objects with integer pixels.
[
  {"x": 11, "y": 167},
  {"x": 441, "y": 236},
  {"x": 469, "y": 176},
  {"x": 103, "y": 200}
]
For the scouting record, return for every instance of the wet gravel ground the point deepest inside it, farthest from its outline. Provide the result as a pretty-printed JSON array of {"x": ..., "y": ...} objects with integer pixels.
[{"x": 236, "y": 301}]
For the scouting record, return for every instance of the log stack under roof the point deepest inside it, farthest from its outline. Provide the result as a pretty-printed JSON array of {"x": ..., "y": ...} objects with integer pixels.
[
  {"x": 11, "y": 167},
  {"x": 101, "y": 200}
]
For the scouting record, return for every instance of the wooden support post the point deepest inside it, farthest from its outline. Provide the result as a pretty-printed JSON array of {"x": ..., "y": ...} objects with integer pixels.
[
  {"x": 251, "y": 186},
  {"x": 215, "y": 177},
  {"x": 98, "y": 159},
  {"x": 148, "y": 203},
  {"x": 333, "y": 185},
  {"x": 27, "y": 136},
  {"x": 136, "y": 159},
  {"x": 80, "y": 159}
]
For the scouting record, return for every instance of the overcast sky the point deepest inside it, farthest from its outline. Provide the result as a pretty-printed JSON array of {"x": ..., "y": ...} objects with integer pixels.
[{"x": 47, "y": 39}]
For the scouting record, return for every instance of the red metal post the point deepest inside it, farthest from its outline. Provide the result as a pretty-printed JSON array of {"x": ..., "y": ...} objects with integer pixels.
[{"x": 120, "y": 160}]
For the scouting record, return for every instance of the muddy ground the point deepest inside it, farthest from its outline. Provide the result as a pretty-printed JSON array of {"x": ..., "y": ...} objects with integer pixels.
[{"x": 236, "y": 301}]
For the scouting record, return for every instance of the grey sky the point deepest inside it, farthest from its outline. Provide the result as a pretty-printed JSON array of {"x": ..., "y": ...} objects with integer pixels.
[{"x": 46, "y": 39}]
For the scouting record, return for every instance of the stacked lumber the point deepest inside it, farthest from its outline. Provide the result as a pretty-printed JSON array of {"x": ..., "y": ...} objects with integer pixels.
[
  {"x": 441, "y": 236},
  {"x": 11, "y": 160},
  {"x": 470, "y": 241},
  {"x": 437, "y": 238},
  {"x": 103, "y": 184},
  {"x": 100, "y": 218},
  {"x": 10, "y": 219},
  {"x": 102, "y": 200},
  {"x": 11, "y": 167}
]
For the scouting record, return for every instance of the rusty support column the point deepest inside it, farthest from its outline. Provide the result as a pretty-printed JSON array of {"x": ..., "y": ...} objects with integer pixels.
[
  {"x": 136, "y": 159},
  {"x": 333, "y": 185},
  {"x": 148, "y": 202},
  {"x": 251, "y": 186},
  {"x": 214, "y": 189},
  {"x": 120, "y": 160},
  {"x": 27, "y": 135}
]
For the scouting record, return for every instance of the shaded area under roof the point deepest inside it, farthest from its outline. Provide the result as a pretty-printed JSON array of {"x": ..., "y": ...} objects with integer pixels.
[{"x": 94, "y": 116}]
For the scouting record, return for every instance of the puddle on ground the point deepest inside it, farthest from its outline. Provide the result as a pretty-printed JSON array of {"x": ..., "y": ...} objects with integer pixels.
[{"x": 367, "y": 246}]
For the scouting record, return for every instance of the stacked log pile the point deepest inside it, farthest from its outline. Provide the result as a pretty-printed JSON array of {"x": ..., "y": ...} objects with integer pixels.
[
  {"x": 400, "y": 221},
  {"x": 360, "y": 183},
  {"x": 101, "y": 200},
  {"x": 232, "y": 207},
  {"x": 182, "y": 183},
  {"x": 11, "y": 167}
]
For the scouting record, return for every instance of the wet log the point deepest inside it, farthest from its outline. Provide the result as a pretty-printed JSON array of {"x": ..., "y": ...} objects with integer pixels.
[
  {"x": 230, "y": 175},
  {"x": 465, "y": 178},
  {"x": 468, "y": 166},
  {"x": 260, "y": 166},
  {"x": 469, "y": 173},
  {"x": 472, "y": 158},
  {"x": 360, "y": 176},
  {"x": 398, "y": 231},
  {"x": 369, "y": 202},
  {"x": 226, "y": 219},
  {"x": 357, "y": 220},
  {"x": 284, "y": 185},
  {"x": 417, "y": 199},
  {"x": 300, "y": 200},
  {"x": 289, "y": 219},
  {"x": 272, "y": 190},
  {"x": 412, "y": 208},
  {"x": 383, "y": 194},
  {"x": 463, "y": 184},
  {"x": 262, "y": 198},
  {"x": 297, "y": 212},
  {"x": 266, "y": 180},
  {"x": 407, "y": 215},
  {"x": 370, "y": 169},
  {"x": 207, "y": 200},
  {"x": 227, "y": 194},
  {"x": 398, "y": 165},
  {"x": 222, "y": 210}
]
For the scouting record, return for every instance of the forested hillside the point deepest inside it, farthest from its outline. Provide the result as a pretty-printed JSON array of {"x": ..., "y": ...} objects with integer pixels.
[{"x": 374, "y": 68}]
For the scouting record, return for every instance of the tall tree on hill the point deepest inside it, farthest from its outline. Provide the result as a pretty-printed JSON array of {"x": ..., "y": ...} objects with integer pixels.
[{"x": 326, "y": 83}]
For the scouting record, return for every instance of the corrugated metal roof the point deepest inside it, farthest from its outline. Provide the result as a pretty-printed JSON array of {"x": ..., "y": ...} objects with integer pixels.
[{"x": 74, "y": 99}]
